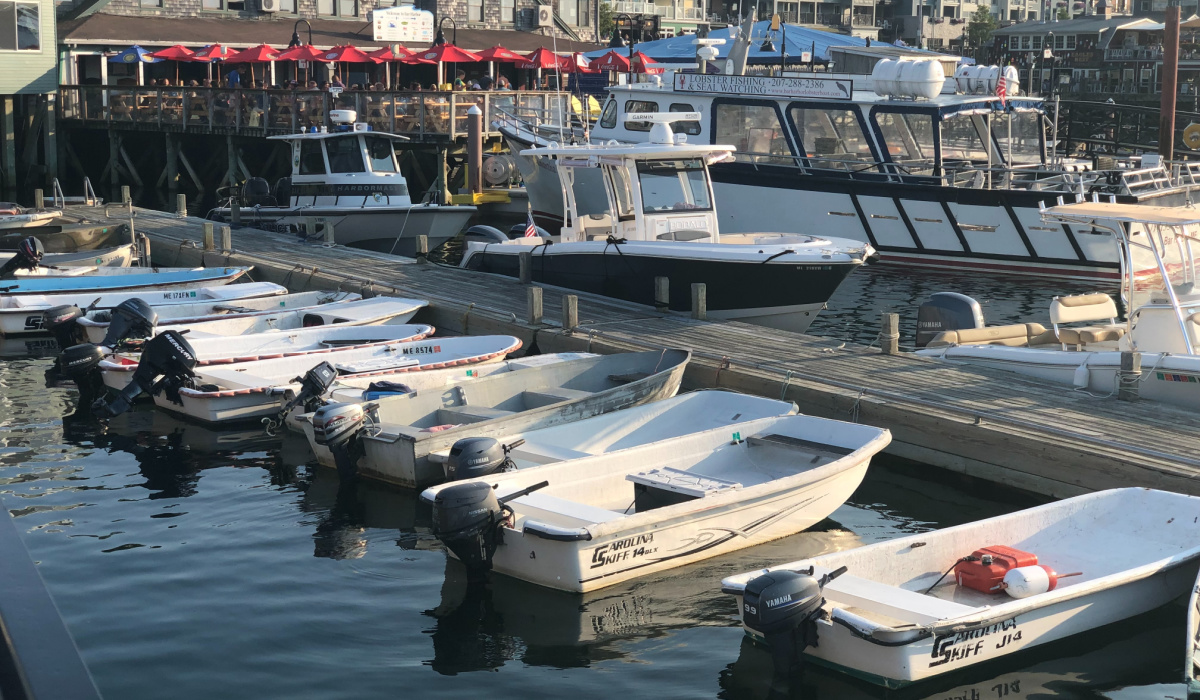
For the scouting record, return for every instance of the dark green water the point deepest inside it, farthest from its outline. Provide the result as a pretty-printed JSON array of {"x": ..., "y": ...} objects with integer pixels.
[{"x": 190, "y": 563}]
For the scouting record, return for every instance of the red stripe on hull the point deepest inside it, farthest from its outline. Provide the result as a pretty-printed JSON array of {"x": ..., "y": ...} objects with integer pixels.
[{"x": 1032, "y": 269}]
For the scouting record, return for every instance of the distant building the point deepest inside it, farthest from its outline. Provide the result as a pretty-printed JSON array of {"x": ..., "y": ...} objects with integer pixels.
[{"x": 27, "y": 86}]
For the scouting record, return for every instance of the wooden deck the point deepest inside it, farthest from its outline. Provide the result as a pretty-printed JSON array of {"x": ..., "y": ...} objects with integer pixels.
[{"x": 987, "y": 423}]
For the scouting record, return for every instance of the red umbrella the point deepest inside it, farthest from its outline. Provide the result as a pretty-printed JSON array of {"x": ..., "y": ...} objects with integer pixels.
[
  {"x": 542, "y": 58},
  {"x": 610, "y": 61},
  {"x": 213, "y": 52},
  {"x": 176, "y": 53},
  {"x": 576, "y": 63},
  {"x": 642, "y": 63},
  {"x": 385, "y": 54},
  {"x": 302, "y": 53},
  {"x": 255, "y": 54},
  {"x": 347, "y": 54},
  {"x": 500, "y": 54},
  {"x": 449, "y": 53}
]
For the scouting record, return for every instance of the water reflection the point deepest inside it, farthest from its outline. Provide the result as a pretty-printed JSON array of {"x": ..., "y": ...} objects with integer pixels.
[{"x": 346, "y": 511}]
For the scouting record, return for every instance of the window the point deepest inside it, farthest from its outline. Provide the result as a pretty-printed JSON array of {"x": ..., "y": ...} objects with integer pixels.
[
  {"x": 961, "y": 139},
  {"x": 568, "y": 11},
  {"x": 832, "y": 138},
  {"x": 1026, "y": 131},
  {"x": 908, "y": 138},
  {"x": 337, "y": 8},
  {"x": 608, "y": 119},
  {"x": 585, "y": 13},
  {"x": 150, "y": 3},
  {"x": 508, "y": 12},
  {"x": 311, "y": 160},
  {"x": 379, "y": 149},
  {"x": 288, "y": 6},
  {"x": 227, "y": 5},
  {"x": 635, "y": 106},
  {"x": 20, "y": 27},
  {"x": 344, "y": 155},
  {"x": 620, "y": 185},
  {"x": 474, "y": 10},
  {"x": 754, "y": 131},
  {"x": 689, "y": 128},
  {"x": 674, "y": 185}
]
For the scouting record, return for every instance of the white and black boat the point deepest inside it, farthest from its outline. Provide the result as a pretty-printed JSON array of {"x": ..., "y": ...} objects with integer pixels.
[
  {"x": 902, "y": 160},
  {"x": 350, "y": 179},
  {"x": 657, "y": 219}
]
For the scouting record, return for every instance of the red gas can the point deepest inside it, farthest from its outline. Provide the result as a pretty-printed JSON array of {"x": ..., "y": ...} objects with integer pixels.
[{"x": 986, "y": 573}]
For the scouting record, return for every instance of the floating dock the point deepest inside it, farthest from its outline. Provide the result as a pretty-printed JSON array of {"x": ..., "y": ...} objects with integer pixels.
[{"x": 989, "y": 424}]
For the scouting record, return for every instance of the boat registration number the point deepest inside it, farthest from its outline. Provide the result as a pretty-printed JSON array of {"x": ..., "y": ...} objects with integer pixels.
[
  {"x": 182, "y": 294},
  {"x": 948, "y": 648}
]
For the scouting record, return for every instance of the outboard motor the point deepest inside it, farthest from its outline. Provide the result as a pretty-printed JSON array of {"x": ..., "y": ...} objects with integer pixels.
[
  {"x": 81, "y": 364},
  {"x": 479, "y": 456},
  {"x": 60, "y": 321},
  {"x": 166, "y": 365},
  {"x": 132, "y": 318},
  {"x": 946, "y": 311},
  {"x": 256, "y": 192},
  {"x": 28, "y": 254},
  {"x": 467, "y": 518},
  {"x": 518, "y": 230},
  {"x": 783, "y": 606},
  {"x": 337, "y": 426},
  {"x": 313, "y": 386},
  {"x": 485, "y": 234}
]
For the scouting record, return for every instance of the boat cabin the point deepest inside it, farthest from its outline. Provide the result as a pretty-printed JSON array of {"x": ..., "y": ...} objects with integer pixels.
[{"x": 654, "y": 191}]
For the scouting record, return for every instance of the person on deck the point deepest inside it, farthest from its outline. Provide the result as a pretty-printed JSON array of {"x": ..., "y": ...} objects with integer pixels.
[
  {"x": 460, "y": 80},
  {"x": 234, "y": 78}
]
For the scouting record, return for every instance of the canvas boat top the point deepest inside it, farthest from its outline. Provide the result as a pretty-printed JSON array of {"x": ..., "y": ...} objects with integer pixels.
[
  {"x": 246, "y": 290},
  {"x": 58, "y": 285}
]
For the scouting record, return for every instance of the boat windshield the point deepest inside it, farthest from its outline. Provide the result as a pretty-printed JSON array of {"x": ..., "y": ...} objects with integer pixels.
[
  {"x": 673, "y": 185},
  {"x": 1178, "y": 249},
  {"x": 832, "y": 138},
  {"x": 908, "y": 139},
  {"x": 1026, "y": 144},
  {"x": 961, "y": 139},
  {"x": 345, "y": 155},
  {"x": 380, "y": 154}
]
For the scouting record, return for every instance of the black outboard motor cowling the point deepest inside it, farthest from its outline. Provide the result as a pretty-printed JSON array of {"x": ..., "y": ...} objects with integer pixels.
[
  {"x": 479, "y": 456},
  {"x": 783, "y": 606},
  {"x": 166, "y": 365},
  {"x": 81, "y": 364},
  {"x": 313, "y": 386},
  {"x": 337, "y": 426},
  {"x": 61, "y": 322},
  {"x": 256, "y": 192},
  {"x": 946, "y": 311},
  {"x": 27, "y": 256},
  {"x": 131, "y": 319},
  {"x": 466, "y": 518}
]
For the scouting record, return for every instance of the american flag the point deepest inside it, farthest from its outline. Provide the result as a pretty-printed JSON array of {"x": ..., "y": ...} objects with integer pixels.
[
  {"x": 1001, "y": 87},
  {"x": 530, "y": 227}
]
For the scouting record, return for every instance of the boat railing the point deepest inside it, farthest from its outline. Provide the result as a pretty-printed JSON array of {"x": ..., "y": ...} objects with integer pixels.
[
  {"x": 1185, "y": 173},
  {"x": 1146, "y": 179}
]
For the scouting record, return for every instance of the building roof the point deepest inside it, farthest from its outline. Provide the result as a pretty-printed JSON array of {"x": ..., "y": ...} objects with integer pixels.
[
  {"x": 121, "y": 31},
  {"x": 1082, "y": 25}
]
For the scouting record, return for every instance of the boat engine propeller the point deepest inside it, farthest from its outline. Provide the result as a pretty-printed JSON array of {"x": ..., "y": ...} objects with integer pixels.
[
  {"x": 167, "y": 364},
  {"x": 479, "y": 456},
  {"x": 131, "y": 319},
  {"x": 467, "y": 519},
  {"x": 313, "y": 386},
  {"x": 80, "y": 364},
  {"x": 783, "y": 606},
  {"x": 60, "y": 321},
  {"x": 337, "y": 427},
  {"x": 27, "y": 257}
]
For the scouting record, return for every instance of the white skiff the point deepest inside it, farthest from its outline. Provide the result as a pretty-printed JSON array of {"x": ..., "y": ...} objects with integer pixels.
[
  {"x": 361, "y": 312},
  {"x": 120, "y": 256},
  {"x": 118, "y": 279},
  {"x": 95, "y": 323},
  {"x": 1133, "y": 549},
  {"x": 1191, "y": 660},
  {"x": 408, "y": 428},
  {"x": 584, "y": 524}
]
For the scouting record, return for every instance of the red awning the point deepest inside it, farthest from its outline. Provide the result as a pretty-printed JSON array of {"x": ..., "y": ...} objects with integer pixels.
[
  {"x": 449, "y": 53},
  {"x": 501, "y": 55},
  {"x": 255, "y": 54}
]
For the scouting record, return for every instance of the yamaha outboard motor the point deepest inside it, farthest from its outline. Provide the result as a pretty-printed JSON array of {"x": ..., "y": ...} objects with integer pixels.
[
  {"x": 313, "y": 386},
  {"x": 256, "y": 192},
  {"x": 27, "y": 256},
  {"x": 518, "y": 231},
  {"x": 166, "y": 365},
  {"x": 60, "y": 321},
  {"x": 132, "y": 318},
  {"x": 946, "y": 311},
  {"x": 81, "y": 364},
  {"x": 467, "y": 518},
  {"x": 783, "y": 606},
  {"x": 337, "y": 426},
  {"x": 479, "y": 456}
]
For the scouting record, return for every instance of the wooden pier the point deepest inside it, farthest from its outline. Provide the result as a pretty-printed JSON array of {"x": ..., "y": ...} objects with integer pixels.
[{"x": 987, "y": 423}]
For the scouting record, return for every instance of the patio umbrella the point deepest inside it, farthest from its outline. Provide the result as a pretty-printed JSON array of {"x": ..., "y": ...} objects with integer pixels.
[
  {"x": 576, "y": 63},
  {"x": 348, "y": 54},
  {"x": 542, "y": 58},
  {"x": 134, "y": 54},
  {"x": 255, "y": 54},
  {"x": 448, "y": 53},
  {"x": 612, "y": 61},
  {"x": 209, "y": 54},
  {"x": 642, "y": 63},
  {"x": 302, "y": 53},
  {"x": 499, "y": 54},
  {"x": 387, "y": 55},
  {"x": 176, "y": 53}
]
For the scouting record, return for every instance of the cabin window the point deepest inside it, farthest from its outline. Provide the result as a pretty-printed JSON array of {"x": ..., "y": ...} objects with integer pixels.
[
  {"x": 639, "y": 106},
  {"x": 621, "y": 193},
  {"x": 754, "y": 131},
  {"x": 345, "y": 156},
  {"x": 379, "y": 150},
  {"x": 832, "y": 138},
  {"x": 608, "y": 119},
  {"x": 673, "y": 185},
  {"x": 908, "y": 138},
  {"x": 689, "y": 128},
  {"x": 962, "y": 139},
  {"x": 311, "y": 160},
  {"x": 1026, "y": 144}
]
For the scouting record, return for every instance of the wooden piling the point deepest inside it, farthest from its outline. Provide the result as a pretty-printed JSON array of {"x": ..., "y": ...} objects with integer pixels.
[
  {"x": 699, "y": 301},
  {"x": 475, "y": 150},
  {"x": 310, "y": 226},
  {"x": 330, "y": 236},
  {"x": 226, "y": 238},
  {"x": 181, "y": 205},
  {"x": 235, "y": 211},
  {"x": 421, "y": 251},
  {"x": 570, "y": 311},
  {"x": 1129, "y": 378},
  {"x": 39, "y": 199},
  {"x": 525, "y": 263},
  {"x": 662, "y": 293},
  {"x": 889, "y": 334},
  {"x": 534, "y": 305},
  {"x": 209, "y": 238},
  {"x": 125, "y": 198}
]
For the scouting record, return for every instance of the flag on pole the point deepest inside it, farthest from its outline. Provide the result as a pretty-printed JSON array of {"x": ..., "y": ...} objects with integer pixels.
[
  {"x": 1001, "y": 88},
  {"x": 530, "y": 227}
]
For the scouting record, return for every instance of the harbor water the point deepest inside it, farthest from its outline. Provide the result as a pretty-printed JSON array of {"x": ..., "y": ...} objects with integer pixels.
[{"x": 194, "y": 563}]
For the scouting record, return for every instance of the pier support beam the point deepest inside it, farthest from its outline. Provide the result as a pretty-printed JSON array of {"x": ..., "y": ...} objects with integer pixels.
[
  {"x": 172, "y": 168},
  {"x": 699, "y": 301},
  {"x": 662, "y": 293},
  {"x": 8, "y": 153},
  {"x": 889, "y": 334}
]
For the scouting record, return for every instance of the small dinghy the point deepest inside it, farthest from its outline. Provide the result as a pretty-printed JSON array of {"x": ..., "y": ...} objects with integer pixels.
[
  {"x": 1191, "y": 661},
  {"x": 584, "y": 524},
  {"x": 124, "y": 279},
  {"x": 915, "y": 607},
  {"x": 121, "y": 256},
  {"x": 265, "y": 388},
  {"x": 95, "y": 323},
  {"x": 23, "y": 314},
  {"x": 407, "y": 428},
  {"x": 361, "y": 312},
  {"x": 15, "y": 216}
]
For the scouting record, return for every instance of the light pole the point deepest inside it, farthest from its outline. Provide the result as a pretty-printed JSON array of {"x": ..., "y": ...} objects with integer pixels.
[
  {"x": 440, "y": 39},
  {"x": 296, "y": 34},
  {"x": 616, "y": 42}
]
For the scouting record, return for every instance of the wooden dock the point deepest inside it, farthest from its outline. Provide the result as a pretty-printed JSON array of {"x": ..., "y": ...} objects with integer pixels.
[{"x": 987, "y": 423}]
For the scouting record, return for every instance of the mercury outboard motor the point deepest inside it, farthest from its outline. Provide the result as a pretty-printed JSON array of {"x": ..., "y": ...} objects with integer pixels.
[
  {"x": 313, "y": 386},
  {"x": 28, "y": 254},
  {"x": 479, "y": 456},
  {"x": 132, "y": 318},
  {"x": 166, "y": 365},
  {"x": 467, "y": 519},
  {"x": 946, "y": 311},
  {"x": 81, "y": 364},
  {"x": 337, "y": 426},
  {"x": 783, "y": 606},
  {"x": 60, "y": 321}
]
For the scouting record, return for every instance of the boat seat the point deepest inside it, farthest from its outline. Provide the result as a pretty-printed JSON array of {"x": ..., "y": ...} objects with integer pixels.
[
  {"x": 470, "y": 414},
  {"x": 559, "y": 511},
  {"x": 868, "y": 596},
  {"x": 682, "y": 482},
  {"x": 1014, "y": 336},
  {"x": 1080, "y": 308},
  {"x": 553, "y": 395}
]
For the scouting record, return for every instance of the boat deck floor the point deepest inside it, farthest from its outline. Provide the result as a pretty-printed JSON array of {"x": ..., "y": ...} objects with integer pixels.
[{"x": 988, "y": 423}]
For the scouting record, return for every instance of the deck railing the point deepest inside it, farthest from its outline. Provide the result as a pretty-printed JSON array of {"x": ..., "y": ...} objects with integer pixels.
[{"x": 269, "y": 112}]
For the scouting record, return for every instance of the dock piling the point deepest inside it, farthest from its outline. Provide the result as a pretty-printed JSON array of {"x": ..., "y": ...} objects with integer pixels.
[
  {"x": 889, "y": 334},
  {"x": 310, "y": 226},
  {"x": 181, "y": 206},
  {"x": 39, "y": 199},
  {"x": 699, "y": 301},
  {"x": 209, "y": 238},
  {"x": 525, "y": 261},
  {"x": 421, "y": 251},
  {"x": 144, "y": 257},
  {"x": 1129, "y": 378},
  {"x": 570, "y": 311},
  {"x": 329, "y": 233},
  {"x": 534, "y": 305},
  {"x": 662, "y": 293},
  {"x": 125, "y": 198},
  {"x": 226, "y": 238},
  {"x": 235, "y": 212}
]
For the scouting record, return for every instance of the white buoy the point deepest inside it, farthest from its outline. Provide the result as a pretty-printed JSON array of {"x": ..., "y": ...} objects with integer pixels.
[{"x": 1026, "y": 581}]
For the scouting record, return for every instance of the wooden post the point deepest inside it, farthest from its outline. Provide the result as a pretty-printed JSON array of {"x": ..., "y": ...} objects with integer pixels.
[
  {"x": 226, "y": 238},
  {"x": 1129, "y": 378},
  {"x": 662, "y": 293},
  {"x": 534, "y": 305},
  {"x": 144, "y": 252},
  {"x": 889, "y": 335},
  {"x": 125, "y": 198},
  {"x": 8, "y": 151},
  {"x": 310, "y": 226},
  {"x": 475, "y": 150},
  {"x": 39, "y": 199},
  {"x": 699, "y": 301},
  {"x": 525, "y": 263},
  {"x": 1170, "y": 90},
  {"x": 235, "y": 211},
  {"x": 330, "y": 238},
  {"x": 181, "y": 205},
  {"x": 570, "y": 311},
  {"x": 172, "y": 165},
  {"x": 209, "y": 238},
  {"x": 421, "y": 251}
]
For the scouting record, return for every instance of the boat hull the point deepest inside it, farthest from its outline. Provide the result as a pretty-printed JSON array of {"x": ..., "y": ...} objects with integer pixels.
[
  {"x": 67, "y": 237},
  {"x": 1191, "y": 659},
  {"x": 147, "y": 281}
]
